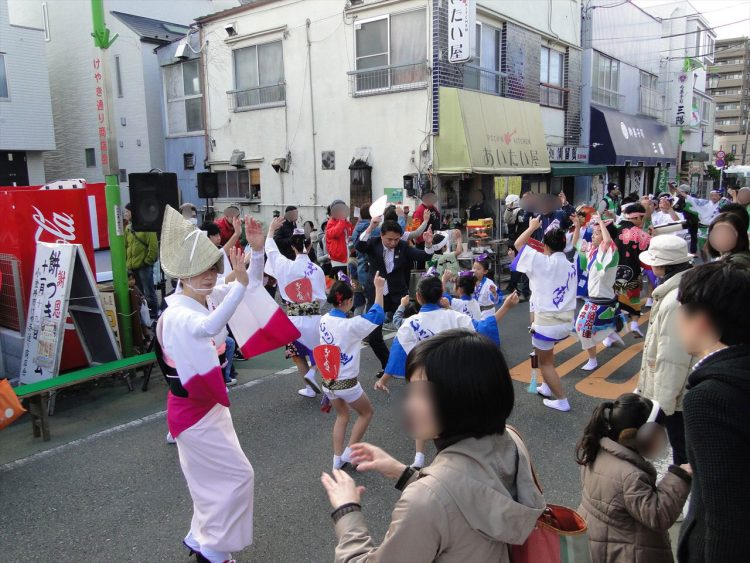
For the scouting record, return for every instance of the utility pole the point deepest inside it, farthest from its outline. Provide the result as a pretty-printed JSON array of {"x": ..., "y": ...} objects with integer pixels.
[{"x": 110, "y": 168}]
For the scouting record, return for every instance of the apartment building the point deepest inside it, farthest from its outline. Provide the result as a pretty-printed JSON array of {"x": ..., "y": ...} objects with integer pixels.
[{"x": 729, "y": 85}]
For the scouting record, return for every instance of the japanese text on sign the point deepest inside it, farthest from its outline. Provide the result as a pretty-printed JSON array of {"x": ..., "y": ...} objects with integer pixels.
[
  {"x": 101, "y": 118},
  {"x": 461, "y": 30},
  {"x": 680, "y": 105}
]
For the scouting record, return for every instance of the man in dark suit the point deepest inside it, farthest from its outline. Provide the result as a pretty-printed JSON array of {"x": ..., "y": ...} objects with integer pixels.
[
  {"x": 393, "y": 258},
  {"x": 283, "y": 236}
]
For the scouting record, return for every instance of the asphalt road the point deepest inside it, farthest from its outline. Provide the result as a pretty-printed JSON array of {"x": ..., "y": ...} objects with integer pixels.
[{"x": 119, "y": 495}]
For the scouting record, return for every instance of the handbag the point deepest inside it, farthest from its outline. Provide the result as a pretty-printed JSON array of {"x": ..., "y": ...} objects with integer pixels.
[
  {"x": 560, "y": 533},
  {"x": 10, "y": 406}
]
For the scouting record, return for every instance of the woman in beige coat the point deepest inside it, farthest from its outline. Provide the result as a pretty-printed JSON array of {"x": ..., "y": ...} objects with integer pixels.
[
  {"x": 477, "y": 496},
  {"x": 665, "y": 365},
  {"x": 627, "y": 512}
]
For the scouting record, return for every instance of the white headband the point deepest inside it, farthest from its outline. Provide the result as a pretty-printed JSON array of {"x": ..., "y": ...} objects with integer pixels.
[{"x": 442, "y": 244}]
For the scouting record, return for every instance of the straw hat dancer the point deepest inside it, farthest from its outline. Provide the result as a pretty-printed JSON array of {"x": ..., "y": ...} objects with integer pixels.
[{"x": 191, "y": 333}]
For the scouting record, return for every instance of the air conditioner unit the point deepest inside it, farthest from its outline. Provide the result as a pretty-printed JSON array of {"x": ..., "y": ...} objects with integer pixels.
[
  {"x": 281, "y": 164},
  {"x": 237, "y": 158}
]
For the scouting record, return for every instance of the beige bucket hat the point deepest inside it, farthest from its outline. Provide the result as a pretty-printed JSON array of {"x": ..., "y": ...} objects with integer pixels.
[
  {"x": 185, "y": 249},
  {"x": 666, "y": 250}
]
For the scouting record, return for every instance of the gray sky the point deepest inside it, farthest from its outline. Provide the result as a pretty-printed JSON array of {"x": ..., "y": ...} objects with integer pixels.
[{"x": 718, "y": 13}]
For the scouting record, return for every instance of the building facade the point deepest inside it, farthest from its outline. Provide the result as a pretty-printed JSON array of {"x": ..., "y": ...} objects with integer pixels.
[
  {"x": 623, "y": 99},
  {"x": 307, "y": 106},
  {"x": 729, "y": 85},
  {"x": 26, "y": 129},
  {"x": 135, "y": 80}
]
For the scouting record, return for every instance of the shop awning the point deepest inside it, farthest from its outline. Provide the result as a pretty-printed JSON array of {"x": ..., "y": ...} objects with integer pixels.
[
  {"x": 485, "y": 134},
  {"x": 577, "y": 169},
  {"x": 618, "y": 139}
]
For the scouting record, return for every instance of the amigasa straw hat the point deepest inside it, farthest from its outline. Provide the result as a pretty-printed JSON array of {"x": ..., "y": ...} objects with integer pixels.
[{"x": 185, "y": 249}]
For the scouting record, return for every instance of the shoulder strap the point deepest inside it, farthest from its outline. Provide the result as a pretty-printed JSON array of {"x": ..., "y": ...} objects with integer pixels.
[{"x": 516, "y": 436}]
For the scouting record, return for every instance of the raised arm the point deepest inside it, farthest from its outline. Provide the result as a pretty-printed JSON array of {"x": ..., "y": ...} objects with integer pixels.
[
  {"x": 416, "y": 233},
  {"x": 534, "y": 224}
]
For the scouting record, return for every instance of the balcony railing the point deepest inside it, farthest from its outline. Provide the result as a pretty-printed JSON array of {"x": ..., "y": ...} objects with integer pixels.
[
  {"x": 257, "y": 98},
  {"x": 651, "y": 102},
  {"x": 386, "y": 79},
  {"x": 485, "y": 80},
  {"x": 608, "y": 98}
]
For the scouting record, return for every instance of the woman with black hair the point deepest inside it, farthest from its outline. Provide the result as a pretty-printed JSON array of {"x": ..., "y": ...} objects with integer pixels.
[
  {"x": 665, "y": 364},
  {"x": 478, "y": 495},
  {"x": 627, "y": 512},
  {"x": 345, "y": 392},
  {"x": 303, "y": 289},
  {"x": 726, "y": 235}
]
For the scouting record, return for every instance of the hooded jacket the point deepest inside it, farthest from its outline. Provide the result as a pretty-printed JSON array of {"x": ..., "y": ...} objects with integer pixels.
[
  {"x": 627, "y": 513},
  {"x": 665, "y": 364},
  {"x": 476, "y": 497},
  {"x": 718, "y": 448}
]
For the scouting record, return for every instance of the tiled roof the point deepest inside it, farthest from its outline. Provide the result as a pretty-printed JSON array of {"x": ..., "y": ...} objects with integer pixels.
[{"x": 151, "y": 30}]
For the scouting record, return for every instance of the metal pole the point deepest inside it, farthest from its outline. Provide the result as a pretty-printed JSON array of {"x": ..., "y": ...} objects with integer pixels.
[
  {"x": 312, "y": 118},
  {"x": 110, "y": 167}
]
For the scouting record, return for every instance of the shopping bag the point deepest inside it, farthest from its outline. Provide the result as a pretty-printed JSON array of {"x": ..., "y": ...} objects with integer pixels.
[
  {"x": 10, "y": 406},
  {"x": 560, "y": 534}
]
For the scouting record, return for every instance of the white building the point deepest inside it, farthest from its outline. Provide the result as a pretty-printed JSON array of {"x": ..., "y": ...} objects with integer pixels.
[
  {"x": 25, "y": 109},
  {"x": 686, "y": 51},
  {"x": 138, "y": 97},
  {"x": 347, "y": 105}
]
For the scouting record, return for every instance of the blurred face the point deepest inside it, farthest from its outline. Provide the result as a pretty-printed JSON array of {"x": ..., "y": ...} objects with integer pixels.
[
  {"x": 216, "y": 239},
  {"x": 390, "y": 240},
  {"x": 421, "y": 418},
  {"x": 665, "y": 204},
  {"x": 429, "y": 200},
  {"x": 188, "y": 213},
  {"x": 596, "y": 235},
  {"x": 308, "y": 229},
  {"x": 743, "y": 196},
  {"x": 659, "y": 271},
  {"x": 127, "y": 215},
  {"x": 693, "y": 328},
  {"x": 715, "y": 198},
  {"x": 637, "y": 220},
  {"x": 479, "y": 271},
  {"x": 657, "y": 444},
  {"x": 340, "y": 212},
  {"x": 723, "y": 237},
  {"x": 204, "y": 282},
  {"x": 292, "y": 216},
  {"x": 563, "y": 199}
]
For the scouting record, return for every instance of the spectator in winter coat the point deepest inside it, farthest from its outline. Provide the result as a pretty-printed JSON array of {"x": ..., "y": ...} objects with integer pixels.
[
  {"x": 226, "y": 226},
  {"x": 283, "y": 236},
  {"x": 141, "y": 252},
  {"x": 714, "y": 324},
  {"x": 338, "y": 231}
]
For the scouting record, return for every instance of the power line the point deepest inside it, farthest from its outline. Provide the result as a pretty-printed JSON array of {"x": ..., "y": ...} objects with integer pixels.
[{"x": 656, "y": 37}]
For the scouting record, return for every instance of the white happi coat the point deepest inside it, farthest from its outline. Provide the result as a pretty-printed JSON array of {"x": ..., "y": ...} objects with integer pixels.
[
  {"x": 430, "y": 320},
  {"x": 468, "y": 307},
  {"x": 286, "y": 271},
  {"x": 347, "y": 333},
  {"x": 483, "y": 296}
]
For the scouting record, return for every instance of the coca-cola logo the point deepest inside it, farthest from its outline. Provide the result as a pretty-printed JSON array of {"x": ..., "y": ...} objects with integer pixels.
[{"x": 61, "y": 227}]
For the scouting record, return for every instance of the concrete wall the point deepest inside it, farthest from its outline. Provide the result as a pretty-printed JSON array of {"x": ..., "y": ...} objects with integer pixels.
[
  {"x": 393, "y": 125},
  {"x": 26, "y": 117},
  {"x": 559, "y": 18},
  {"x": 35, "y": 166}
]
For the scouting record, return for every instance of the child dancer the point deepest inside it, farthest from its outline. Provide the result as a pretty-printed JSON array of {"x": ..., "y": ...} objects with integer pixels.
[
  {"x": 303, "y": 310},
  {"x": 627, "y": 512},
  {"x": 597, "y": 319},
  {"x": 486, "y": 292},
  {"x": 464, "y": 301},
  {"x": 552, "y": 279},
  {"x": 433, "y": 319},
  {"x": 631, "y": 241},
  {"x": 346, "y": 392}
]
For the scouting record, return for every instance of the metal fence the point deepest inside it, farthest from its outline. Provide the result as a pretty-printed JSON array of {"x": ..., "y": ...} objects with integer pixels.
[
  {"x": 261, "y": 96},
  {"x": 485, "y": 80},
  {"x": 383, "y": 79},
  {"x": 11, "y": 294}
]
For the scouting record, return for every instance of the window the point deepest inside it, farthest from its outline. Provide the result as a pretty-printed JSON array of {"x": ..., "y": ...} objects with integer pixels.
[
  {"x": 704, "y": 45},
  {"x": 239, "y": 184},
  {"x": 650, "y": 99},
  {"x": 123, "y": 176},
  {"x": 724, "y": 107},
  {"x": 606, "y": 80},
  {"x": 551, "y": 71},
  {"x": 118, "y": 76},
  {"x": 730, "y": 121},
  {"x": 188, "y": 161},
  {"x": 732, "y": 76},
  {"x": 395, "y": 47},
  {"x": 259, "y": 76},
  {"x": 705, "y": 110},
  {"x": 90, "y": 158},
  {"x": 184, "y": 98},
  {"x": 3, "y": 79},
  {"x": 483, "y": 71},
  {"x": 734, "y": 149}
]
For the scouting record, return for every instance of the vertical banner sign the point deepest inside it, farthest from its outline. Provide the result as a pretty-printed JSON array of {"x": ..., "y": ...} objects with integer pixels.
[
  {"x": 661, "y": 182},
  {"x": 45, "y": 328},
  {"x": 681, "y": 99},
  {"x": 462, "y": 15},
  {"x": 101, "y": 118}
]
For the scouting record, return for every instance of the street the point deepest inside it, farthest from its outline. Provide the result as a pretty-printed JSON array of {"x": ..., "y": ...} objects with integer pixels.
[{"x": 111, "y": 489}]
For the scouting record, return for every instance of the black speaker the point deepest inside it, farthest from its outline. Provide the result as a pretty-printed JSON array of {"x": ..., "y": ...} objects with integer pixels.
[
  {"x": 208, "y": 185},
  {"x": 409, "y": 186},
  {"x": 149, "y": 193}
]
